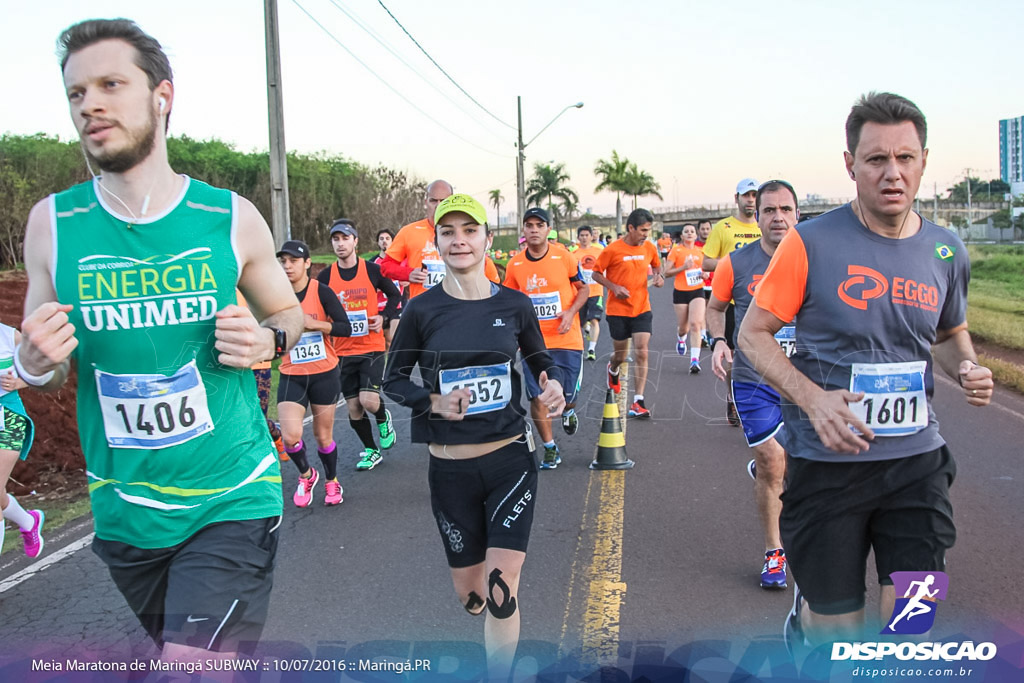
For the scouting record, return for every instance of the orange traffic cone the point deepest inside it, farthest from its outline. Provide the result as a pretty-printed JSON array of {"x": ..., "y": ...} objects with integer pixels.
[{"x": 611, "y": 444}]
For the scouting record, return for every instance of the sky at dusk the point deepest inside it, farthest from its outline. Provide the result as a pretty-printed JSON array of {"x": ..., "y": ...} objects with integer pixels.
[{"x": 699, "y": 94}]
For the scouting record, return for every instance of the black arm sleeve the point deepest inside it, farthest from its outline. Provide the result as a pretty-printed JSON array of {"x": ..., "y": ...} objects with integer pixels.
[
  {"x": 340, "y": 326},
  {"x": 403, "y": 356},
  {"x": 531, "y": 345},
  {"x": 387, "y": 286},
  {"x": 324, "y": 275}
]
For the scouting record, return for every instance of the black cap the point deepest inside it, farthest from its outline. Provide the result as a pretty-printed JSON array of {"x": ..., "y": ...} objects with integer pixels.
[
  {"x": 294, "y": 248},
  {"x": 345, "y": 226},
  {"x": 539, "y": 213}
]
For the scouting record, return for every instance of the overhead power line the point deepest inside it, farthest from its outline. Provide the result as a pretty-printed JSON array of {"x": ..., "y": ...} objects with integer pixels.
[
  {"x": 434, "y": 62},
  {"x": 391, "y": 87},
  {"x": 373, "y": 34}
]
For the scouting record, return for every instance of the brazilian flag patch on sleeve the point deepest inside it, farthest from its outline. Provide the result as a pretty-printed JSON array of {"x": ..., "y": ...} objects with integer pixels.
[{"x": 944, "y": 252}]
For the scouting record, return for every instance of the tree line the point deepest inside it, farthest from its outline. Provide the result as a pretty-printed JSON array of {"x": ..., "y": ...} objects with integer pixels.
[
  {"x": 549, "y": 186},
  {"x": 322, "y": 187}
]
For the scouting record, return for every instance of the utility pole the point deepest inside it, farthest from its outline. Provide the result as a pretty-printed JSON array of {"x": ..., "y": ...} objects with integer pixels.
[
  {"x": 520, "y": 158},
  {"x": 281, "y": 225},
  {"x": 970, "y": 217},
  {"x": 935, "y": 206}
]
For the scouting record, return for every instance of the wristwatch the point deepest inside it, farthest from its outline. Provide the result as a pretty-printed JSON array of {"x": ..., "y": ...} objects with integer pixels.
[
  {"x": 280, "y": 342},
  {"x": 718, "y": 339}
]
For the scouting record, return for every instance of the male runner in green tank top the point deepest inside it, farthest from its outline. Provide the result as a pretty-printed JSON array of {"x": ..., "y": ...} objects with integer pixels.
[{"x": 133, "y": 274}]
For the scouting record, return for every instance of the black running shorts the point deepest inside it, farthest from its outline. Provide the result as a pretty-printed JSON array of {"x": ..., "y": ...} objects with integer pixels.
[
  {"x": 592, "y": 310},
  {"x": 622, "y": 327},
  {"x": 362, "y": 372},
  {"x": 321, "y": 389},
  {"x": 484, "y": 502},
  {"x": 680, "y": 296},
  {"x": 834, "y": 513},
  {"x": 210, "y": 591}
]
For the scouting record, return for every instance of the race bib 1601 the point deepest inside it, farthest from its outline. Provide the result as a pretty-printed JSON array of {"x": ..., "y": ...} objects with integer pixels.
[{"x": 895, "y": 403}]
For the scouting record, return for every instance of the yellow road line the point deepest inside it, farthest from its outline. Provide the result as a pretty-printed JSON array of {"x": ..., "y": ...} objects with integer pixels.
[
  {"x": 600, "y": 637},
  {"x": 604, "y": 597}
]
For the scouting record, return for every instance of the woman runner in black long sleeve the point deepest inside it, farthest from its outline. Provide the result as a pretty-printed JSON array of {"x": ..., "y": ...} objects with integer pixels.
[{"x": 483, "y": 473}]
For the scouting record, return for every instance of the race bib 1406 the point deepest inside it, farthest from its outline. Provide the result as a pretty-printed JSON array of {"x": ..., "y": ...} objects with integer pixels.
[{"x": 153, "y": 411}]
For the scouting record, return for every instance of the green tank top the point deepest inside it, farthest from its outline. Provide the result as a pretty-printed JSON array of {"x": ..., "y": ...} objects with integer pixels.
[{"x": 173, "y": 440}]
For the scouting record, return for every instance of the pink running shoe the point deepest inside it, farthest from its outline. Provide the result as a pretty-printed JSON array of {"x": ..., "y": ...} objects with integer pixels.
[
  {"x": 334, "y": 491},
  {"x": 33, "y": 537},
  {"x": 304, "y": 493}
]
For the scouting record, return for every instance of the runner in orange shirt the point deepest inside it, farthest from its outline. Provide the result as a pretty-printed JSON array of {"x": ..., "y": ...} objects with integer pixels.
[
  {"x": 549, "y": 274},
  {"x": 664, "y": 245},
  {"x": 703, "y": 231},
  {"x": 414, "y": 244},
  {"x": 684, "y": 263},
  {"x": 590, "y": 314},
  {"x": 623, "y": 267}
]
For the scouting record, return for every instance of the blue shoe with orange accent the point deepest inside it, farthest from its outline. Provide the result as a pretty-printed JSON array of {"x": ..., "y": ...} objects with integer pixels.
[{"x": 773, "y": 575}]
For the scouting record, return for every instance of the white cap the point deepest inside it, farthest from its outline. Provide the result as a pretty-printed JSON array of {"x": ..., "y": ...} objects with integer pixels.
[{"x": 746, "y": 185}]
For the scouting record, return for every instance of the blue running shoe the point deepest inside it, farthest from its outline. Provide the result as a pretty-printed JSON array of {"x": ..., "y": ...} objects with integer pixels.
[
  {"x": 773, "y": 575},
  {"x": 552, "y": 458}
]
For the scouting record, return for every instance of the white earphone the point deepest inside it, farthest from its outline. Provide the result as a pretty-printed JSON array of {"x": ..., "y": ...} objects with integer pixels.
[{"x": 163, "y": 104}]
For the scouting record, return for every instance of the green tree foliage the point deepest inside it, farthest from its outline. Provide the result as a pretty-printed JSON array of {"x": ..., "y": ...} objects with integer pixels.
[
  {"x": 640, "y": 183},
  {"x": 496, "y": 200},
  {"x": 321, "y": 187},
  {"x": 550, "y": 183},
  {"x": 981, "y": 190},
  {"x": 613, "y": 173}
]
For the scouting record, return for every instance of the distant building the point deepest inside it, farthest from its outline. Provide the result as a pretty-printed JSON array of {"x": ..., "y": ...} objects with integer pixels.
[{"x": 1011, "y": 153}]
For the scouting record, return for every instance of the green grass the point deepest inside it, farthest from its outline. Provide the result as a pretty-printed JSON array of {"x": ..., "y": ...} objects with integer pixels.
[
  {"x": 1004, "y": 373},
  {"x": 995, "y": 301}
]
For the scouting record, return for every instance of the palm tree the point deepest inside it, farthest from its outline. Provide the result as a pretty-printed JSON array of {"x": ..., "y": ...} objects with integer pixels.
[
  {"x": 549, "y": 181},
  {"x": 612, "y": 173},
  {"x": 496, "y": 200},
  {"x": 639, "y": 183}
]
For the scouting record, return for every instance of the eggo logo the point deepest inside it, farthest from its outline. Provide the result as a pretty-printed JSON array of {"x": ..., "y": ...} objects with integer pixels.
[
  {"x": 753, "y": 284},
  {"x": 857, "y": 284}
]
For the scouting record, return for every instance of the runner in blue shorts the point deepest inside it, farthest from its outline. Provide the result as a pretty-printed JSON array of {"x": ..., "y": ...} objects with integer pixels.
[
  {"x": 550, "y": 275},
  {"x": 757, "y": 403}
]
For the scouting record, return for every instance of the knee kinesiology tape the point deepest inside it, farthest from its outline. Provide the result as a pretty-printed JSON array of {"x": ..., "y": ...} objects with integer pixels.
[{"x": 508, "y": 604}]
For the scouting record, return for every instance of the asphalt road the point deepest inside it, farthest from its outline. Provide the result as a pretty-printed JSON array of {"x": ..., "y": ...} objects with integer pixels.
[{"x": 648, "y": 573}]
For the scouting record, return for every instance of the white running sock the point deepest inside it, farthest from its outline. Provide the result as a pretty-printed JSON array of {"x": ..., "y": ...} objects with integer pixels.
[
  {"x": 18, "y": 515},
  {"x": 695, "y": 354}
]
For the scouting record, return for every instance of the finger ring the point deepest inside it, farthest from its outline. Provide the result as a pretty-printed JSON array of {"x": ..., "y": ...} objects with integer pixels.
[{"x": 974, "y": 392}]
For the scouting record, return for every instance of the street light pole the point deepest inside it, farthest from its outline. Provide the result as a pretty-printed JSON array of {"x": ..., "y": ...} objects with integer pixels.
[
  {"x": 520, "y": 158},
  {"x": 521, "y": 155}
]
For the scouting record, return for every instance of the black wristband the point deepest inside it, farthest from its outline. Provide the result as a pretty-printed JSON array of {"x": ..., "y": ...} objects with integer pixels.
[
  {"x": 718, "y": 339},
  {"x": 280, "y": 342}
]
